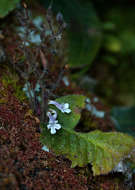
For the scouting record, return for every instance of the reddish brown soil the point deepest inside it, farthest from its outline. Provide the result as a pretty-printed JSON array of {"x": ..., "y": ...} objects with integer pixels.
[{"x": 23, "y": 164}]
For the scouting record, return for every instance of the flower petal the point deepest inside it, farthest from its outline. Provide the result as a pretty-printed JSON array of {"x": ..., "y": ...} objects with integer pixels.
[
  {"x": 66, "y": 105},
  {"x": 24, "y": 89},
  {"x": 59, "y": 106},
  {"x": 37, "y": 87},
  {"x": 68, "y": 110},
  {"x": 45, "y": 148},
  {"x": 52, "y": 114},
  {"x": 49, "y": 126},
  {"x": 57, "y": 126},
  {"x": 53, "y": 131}
]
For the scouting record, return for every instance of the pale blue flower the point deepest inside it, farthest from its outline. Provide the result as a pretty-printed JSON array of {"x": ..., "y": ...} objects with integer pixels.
[
  {"x": 66, "y": 81},
  {"x": 64, "y": 107},
  {"x": 53, "y": 123},
  {"x": 34, "y": 38},
  {"x": 53, "y": 126},
  {"x": 94, "y": 111},
  {"x": 39, "y": 98},
  {"x": 38, "y": 22},
  {"x": 45, "y": 148},
  {"x": 37, "y": 87},
  {"x": 99, "y": 114},
  {"x": 26, "y": 87},
  {"x": 48, "y": 32},
  {"x": 29, "y": 93},
  {"x": 87, "y": 100}
]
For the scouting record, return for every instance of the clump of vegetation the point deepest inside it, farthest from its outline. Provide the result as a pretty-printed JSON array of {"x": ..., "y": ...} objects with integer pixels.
[
  {"x": 7, "y": 6},
  {"x": 11, "y": 78},
  {"x": 34, "y": 64},
  {"x": 55, "y": 122}
]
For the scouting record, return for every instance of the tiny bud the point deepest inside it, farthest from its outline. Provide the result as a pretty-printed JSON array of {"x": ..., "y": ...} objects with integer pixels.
[
  {"x": 59, "y": 17},
  {"x": 25, "y": 5},
  {"x": 64, "y": 25}
]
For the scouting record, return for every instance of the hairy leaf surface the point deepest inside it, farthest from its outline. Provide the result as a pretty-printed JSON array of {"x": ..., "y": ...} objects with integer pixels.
[{"x": 102, "y": 150}]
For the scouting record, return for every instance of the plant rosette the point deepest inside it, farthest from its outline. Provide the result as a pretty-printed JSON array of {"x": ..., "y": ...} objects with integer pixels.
[{"x": 104, "y": 150}]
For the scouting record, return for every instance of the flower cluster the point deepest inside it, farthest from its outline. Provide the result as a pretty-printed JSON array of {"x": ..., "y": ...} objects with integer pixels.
[
  {"x": 29, "y": 91},
  {"x": 91, "y": 108},
  {"x": 53, "y": 124}
]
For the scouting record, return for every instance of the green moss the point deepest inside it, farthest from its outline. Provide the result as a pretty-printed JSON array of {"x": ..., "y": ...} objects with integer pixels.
[
  {"x": 12, "y": 79},
  {"x": 3, "y": 100},
  {"x": 3, "y": 95}
]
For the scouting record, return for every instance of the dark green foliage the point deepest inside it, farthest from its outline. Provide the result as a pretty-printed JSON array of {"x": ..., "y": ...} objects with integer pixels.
[
  {"x": 125, "y": 119},
  {"x": 84, "y": 30},
  {"x": 6, "y": 6},
  {"x": 122, "y": 21}
]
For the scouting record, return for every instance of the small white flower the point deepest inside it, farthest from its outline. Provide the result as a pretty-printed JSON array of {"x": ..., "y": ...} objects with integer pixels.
[
  {"x": 66, "y": 81},
  {"x": 64, "y": 107},
  {"x": 87, "y": 100},
  {"x": 45, "y": 148},
  {"x": 53, "y": 123}
]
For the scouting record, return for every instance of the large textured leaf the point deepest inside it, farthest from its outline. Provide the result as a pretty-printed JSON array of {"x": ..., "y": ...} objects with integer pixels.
[
  {"x": 6, "y": 6},
  {"x": 102, "y": 150},
  {"x": 124, "y": 118},
  {"x": 84, "y": 31}
]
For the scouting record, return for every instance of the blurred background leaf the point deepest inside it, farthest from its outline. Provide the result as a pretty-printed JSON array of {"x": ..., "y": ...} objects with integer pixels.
[
  {"x": 84, "y": 30},
  {"x": 124, "y": 119},
  {"x": 6, "y": 6}
]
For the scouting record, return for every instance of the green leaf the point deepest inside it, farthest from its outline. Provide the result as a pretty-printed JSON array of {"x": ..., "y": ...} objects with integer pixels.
[
  {"x": 124, "y": 118},
  {"x": 6, "y": 6},
  {"x": 103, "y": 150},
  {"x": 84, "y": 35},
  {"x": 76, "y": 103}
]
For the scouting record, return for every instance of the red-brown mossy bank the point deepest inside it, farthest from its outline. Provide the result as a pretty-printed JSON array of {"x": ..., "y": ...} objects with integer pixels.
[{"x": 23, "y": 163}]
